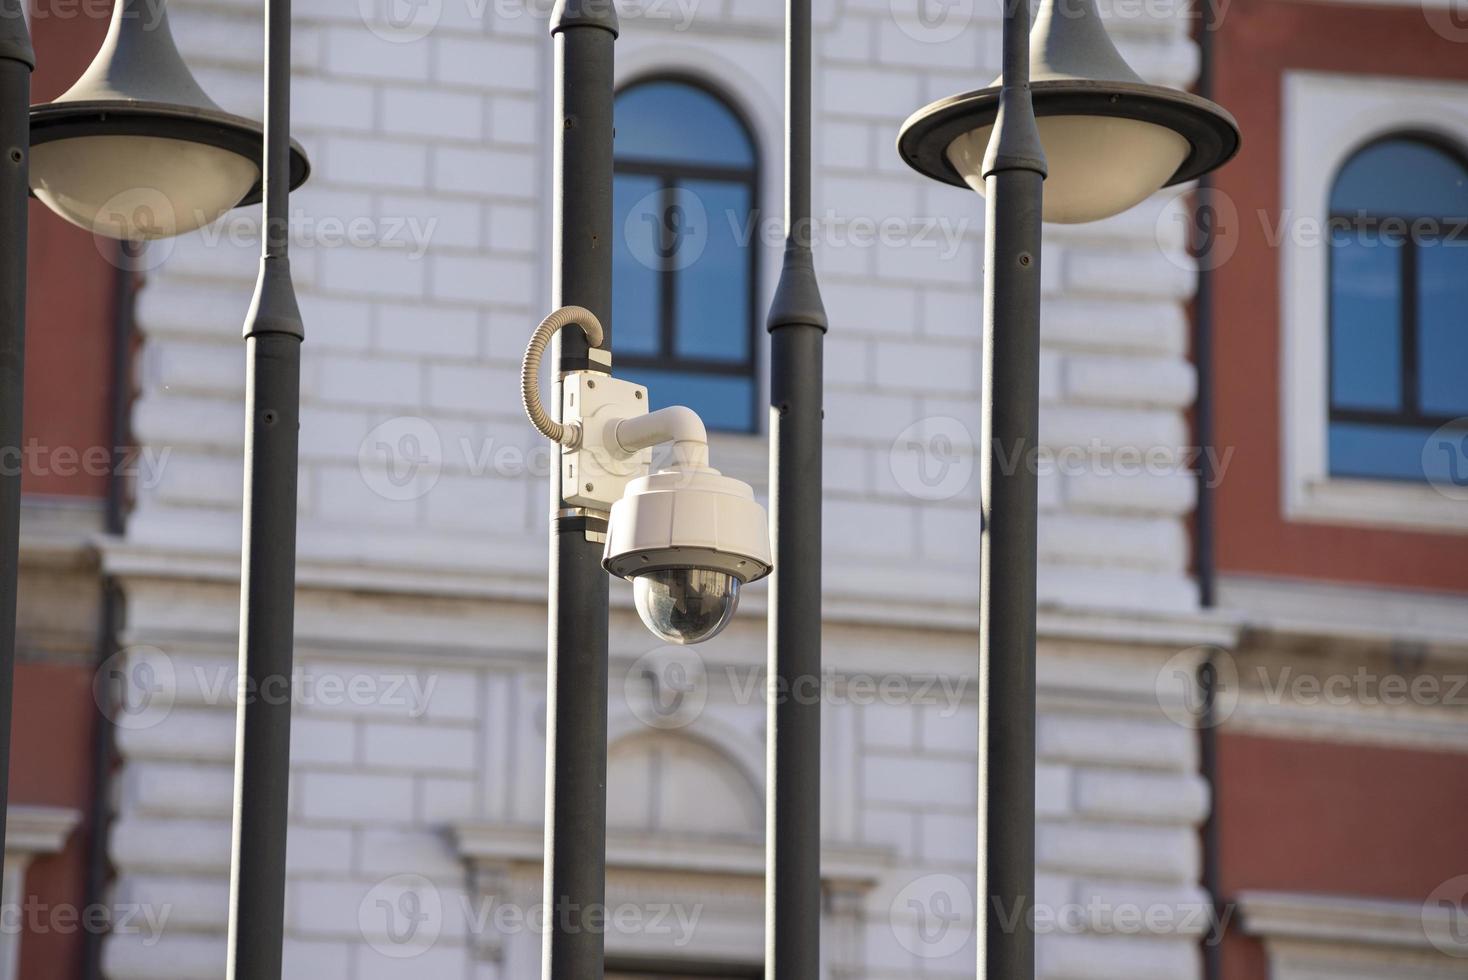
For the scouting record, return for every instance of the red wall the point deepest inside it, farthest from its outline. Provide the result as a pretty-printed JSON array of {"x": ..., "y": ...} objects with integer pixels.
[
  {"x": 51, "y": 765},
  {"x": 1257, "y": 41},
  {"x": 69, "y": 303},
  {"x": 1327, "y": 818},
  {"x": 67, "y": 406}
]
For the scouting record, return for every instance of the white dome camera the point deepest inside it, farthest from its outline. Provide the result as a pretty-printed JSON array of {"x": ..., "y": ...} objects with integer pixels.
[{"x": 687, "y": 537}]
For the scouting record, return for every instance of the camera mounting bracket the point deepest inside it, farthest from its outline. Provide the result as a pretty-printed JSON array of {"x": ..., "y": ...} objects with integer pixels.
[{"x": 595, "y": 470}]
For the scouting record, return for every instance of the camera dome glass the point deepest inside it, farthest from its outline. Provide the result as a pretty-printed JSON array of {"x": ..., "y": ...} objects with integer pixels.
[{"x": 686, "y": 605}]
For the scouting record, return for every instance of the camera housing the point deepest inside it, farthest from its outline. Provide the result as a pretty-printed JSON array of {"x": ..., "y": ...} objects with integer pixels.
[{"x": 688, "y": 539}]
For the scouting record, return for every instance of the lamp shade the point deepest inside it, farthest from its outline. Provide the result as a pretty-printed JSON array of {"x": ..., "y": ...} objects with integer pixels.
[
  {"x": 135, "y": 150},
  {"x": 1110, "y": 138}
]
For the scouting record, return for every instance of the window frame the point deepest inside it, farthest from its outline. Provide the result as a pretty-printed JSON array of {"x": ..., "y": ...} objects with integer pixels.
[
  {"x": 670, "y": 176},
  {"x": 1326, "y": 119},
  {"x": 1410, "y": 415}
]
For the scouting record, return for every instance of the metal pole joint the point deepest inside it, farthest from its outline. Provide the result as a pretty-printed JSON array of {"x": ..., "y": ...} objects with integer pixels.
[
  {"x": 274, "y": 309},
  {"x": 15, "y": 36},
  {"x": 797, "y": 300},
  {"x": 585, "y": 13},
  {"x": 1015, "y": 142}
]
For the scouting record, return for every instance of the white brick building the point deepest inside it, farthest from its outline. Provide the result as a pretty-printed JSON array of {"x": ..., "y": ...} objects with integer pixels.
[{"x": 419, "y": 728}]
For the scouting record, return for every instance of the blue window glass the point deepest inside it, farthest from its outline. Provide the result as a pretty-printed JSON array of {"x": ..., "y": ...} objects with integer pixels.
[
  {"x": 683, "y": 260},
  {"x": 1398, "y": 308}
]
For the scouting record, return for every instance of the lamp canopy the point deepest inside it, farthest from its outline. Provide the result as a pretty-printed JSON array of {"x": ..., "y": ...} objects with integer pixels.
[
  {"x": 136, "y": 149},
  {"x": 1110, "y": 138}
]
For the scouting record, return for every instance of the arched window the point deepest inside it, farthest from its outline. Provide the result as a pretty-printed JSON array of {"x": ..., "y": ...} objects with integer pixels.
[
  {"x": 684, "y": 253},
  {"x": 1398, "y": 308}
]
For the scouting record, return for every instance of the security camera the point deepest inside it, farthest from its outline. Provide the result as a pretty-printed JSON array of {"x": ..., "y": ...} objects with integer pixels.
[{"x": 686, "y": 536}]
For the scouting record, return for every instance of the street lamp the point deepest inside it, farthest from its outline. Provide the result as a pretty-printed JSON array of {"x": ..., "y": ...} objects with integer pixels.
[
  {"x": 686, "y": 536},
  {"x": 1110, "y": 139},
  {"x": 1107, "y": 140},
  {"x": 135, "y": 150}
]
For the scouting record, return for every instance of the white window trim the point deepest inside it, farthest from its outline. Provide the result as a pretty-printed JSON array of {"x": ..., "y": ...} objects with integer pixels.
[
  {"x": 1326, "y": 118},
  {"x": 1330, "y": 937},
  {"x": 32, "y": 832}
]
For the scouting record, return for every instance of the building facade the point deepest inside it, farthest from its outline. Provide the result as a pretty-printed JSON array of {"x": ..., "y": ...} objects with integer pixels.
[
  {"x": 422, "y": 252},
  {"x": 1338, "y": 372}
]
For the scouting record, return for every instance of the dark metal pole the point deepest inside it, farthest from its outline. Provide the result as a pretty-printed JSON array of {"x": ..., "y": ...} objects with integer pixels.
[
  {"x": 1212, "y": 863},
  {"x": 1204, "y": 228},
  {"x": 16, "y": 62},
  {"x": 1014, "y": 174},
  {"x": 273, "y": 334},
  {"x": 584, "y": 33},
  {"x": 797, "y": 325}
]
